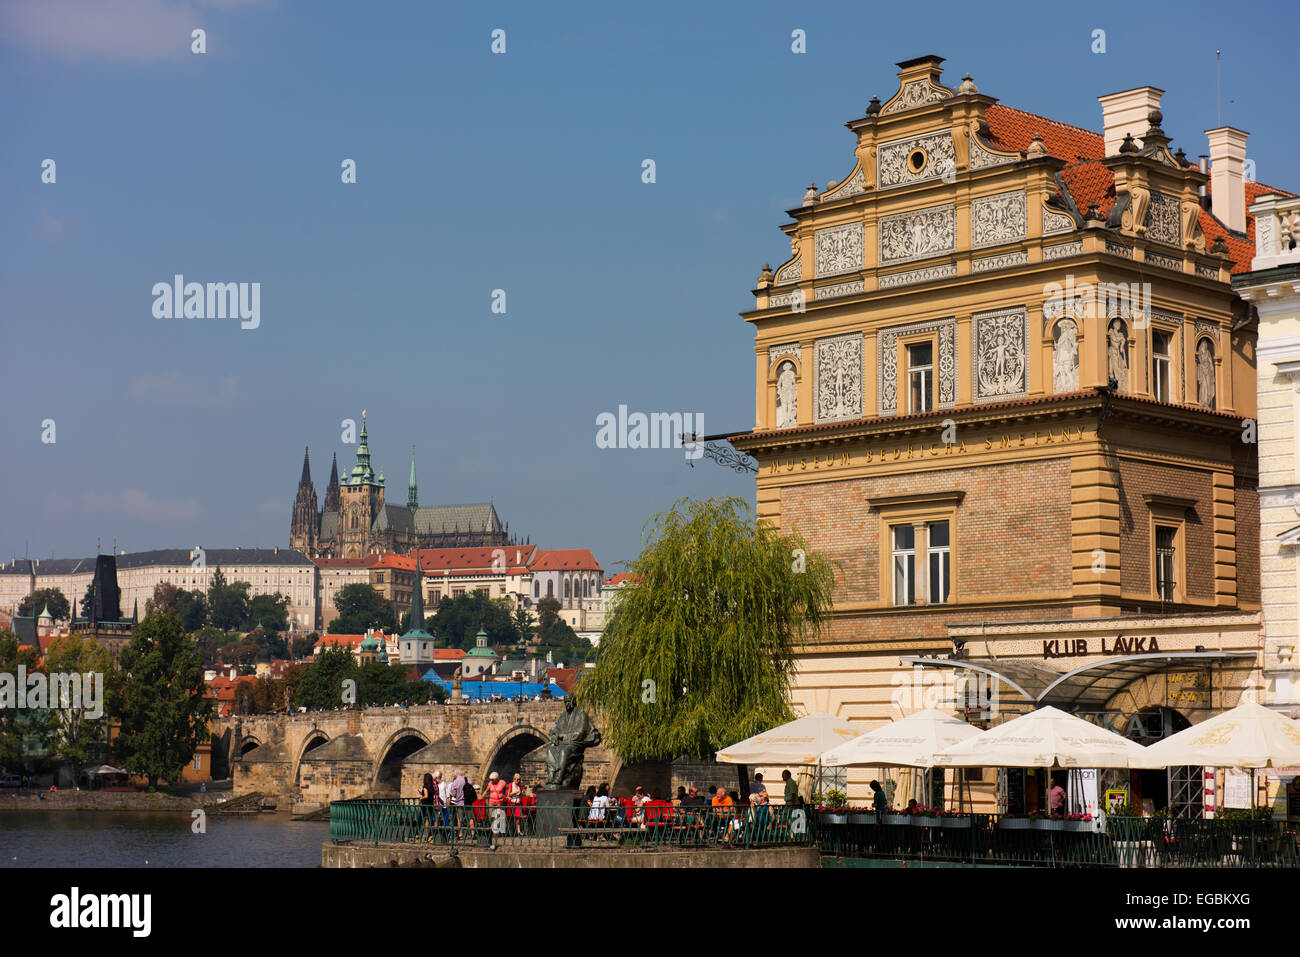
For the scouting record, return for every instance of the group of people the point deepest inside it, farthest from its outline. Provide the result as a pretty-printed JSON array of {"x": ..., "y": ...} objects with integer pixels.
[{"x": 441, "y": 798}]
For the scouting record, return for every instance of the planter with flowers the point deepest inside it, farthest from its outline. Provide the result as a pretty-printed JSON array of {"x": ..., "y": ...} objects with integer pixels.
[
  {"x": 923, "y": 816},
  {"x": 955, "y": 819},
  {"x": 1043, "y": 821},
  {"x": 831, "y": 806},
  {"x": 1013, "y": 822},
  {"x": 1079, "y": 822},
  {"x": 861, "y": 815},
  {"x": 895, "y": 817}
]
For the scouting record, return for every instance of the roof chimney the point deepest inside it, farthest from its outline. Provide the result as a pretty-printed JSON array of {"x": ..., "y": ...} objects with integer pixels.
[
  {"x": 1227, "y": 176},
  {"x": 1127, "y": 112}
]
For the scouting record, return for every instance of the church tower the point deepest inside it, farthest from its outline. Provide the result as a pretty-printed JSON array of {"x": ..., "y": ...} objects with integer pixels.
[
  {"x": 304, "y": 528},
  {"x": 362, "y": 498}
]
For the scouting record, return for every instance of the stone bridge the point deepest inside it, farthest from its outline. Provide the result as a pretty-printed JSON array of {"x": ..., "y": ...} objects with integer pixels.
[{"x": 324, "y": 756}]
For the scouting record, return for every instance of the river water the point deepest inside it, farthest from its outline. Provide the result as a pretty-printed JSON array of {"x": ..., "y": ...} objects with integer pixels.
[{"x": 148, "y": 839}]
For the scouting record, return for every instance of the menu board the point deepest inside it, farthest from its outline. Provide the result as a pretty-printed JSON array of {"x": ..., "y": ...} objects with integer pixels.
[
  {"x": 1236, "y": 789},
  {"x": 1015, "y": 790}
]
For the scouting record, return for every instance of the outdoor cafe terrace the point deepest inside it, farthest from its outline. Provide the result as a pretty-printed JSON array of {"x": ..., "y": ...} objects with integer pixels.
[{"x": 845, "y": 837}]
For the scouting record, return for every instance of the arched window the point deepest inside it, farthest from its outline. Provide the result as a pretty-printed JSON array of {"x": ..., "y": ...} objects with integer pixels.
[
  {"x": 566, "y": 588},
  {"x": 537, "y": 589},
  {"x": 550, "y": 588}
]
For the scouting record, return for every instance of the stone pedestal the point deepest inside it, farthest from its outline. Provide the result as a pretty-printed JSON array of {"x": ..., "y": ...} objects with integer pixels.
[{"x": 556, "y": 809}]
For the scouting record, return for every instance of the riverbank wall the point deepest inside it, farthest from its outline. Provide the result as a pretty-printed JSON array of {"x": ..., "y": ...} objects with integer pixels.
[
  {"x": 407, "y": 855},
  {"x": 108, "y": 800}
]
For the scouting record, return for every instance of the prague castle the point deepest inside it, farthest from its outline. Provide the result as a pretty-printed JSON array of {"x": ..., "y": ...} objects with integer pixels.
[{"x": 357, "y": 521}]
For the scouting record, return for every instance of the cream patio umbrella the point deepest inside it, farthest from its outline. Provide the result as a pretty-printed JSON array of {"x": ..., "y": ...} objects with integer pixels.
[
  {"x": 1247, "y": 736},
  {"x": 1046, "y": 738},
  {"x": 802, "y": 741},
  {"x": 909, "y": 742}
]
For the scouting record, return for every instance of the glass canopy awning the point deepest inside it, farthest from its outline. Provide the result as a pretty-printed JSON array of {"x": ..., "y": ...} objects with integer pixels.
[{"x": 1089, "y": 686}]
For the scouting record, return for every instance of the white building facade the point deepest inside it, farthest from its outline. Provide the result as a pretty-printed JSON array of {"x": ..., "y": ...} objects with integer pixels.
[{"x": 1273, "y": 287}]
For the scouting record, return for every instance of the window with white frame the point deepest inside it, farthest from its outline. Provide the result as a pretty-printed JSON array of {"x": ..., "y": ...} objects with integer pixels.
[
  {"x": 937, "y": 552},
  {"x": 920, "y": 377},
  {"x": 904, "y": 551},
  {"x": 1160, "y": 366}
]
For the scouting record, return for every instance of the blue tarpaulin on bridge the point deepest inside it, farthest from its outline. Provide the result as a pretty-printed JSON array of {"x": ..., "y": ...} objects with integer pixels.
[{"x": 486, "y": 690}]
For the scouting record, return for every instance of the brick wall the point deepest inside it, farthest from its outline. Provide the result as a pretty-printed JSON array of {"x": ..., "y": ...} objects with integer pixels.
[
  {"x": 1013, "y": 528},
  {"x": 1137, "y": 479},
  {"x": 1248, "y": 543}
]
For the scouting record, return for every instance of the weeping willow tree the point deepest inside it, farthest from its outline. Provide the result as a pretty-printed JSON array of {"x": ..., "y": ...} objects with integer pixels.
[{"x": 699, "y": 651}]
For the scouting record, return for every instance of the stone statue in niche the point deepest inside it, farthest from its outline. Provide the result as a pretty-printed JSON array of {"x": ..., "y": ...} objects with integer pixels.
[
  {"x": 1065, "y": 357},
  {"x": 1205, "y": 374},
  {"x": 787, "y": 396},
  {"x": 1117, "y": 354}
]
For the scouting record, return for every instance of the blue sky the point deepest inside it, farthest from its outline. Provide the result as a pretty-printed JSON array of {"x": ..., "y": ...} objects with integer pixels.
[{"x": 475, "y": 172}]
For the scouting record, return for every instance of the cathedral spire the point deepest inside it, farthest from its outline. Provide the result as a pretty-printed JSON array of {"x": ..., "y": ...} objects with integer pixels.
[
  {"x": 306, "y": 468},
  {"x": 412, "y": 488},
  {"x": 332, "y": 491}
]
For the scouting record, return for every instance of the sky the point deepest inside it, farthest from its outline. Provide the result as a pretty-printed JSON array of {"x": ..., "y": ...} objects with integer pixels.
[{"x": 521, "y": 171}]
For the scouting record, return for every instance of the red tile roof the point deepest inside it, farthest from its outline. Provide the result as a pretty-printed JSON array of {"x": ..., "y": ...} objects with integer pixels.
[
  {"x": 389, "y": 560},
  {"x": 1091, "y": 182},
  {"x": 566, "y": 559},
  {"x": 439, "y": 560},
  {"x": 622, "y": 578},
  {"x": 565, "y": 678}
]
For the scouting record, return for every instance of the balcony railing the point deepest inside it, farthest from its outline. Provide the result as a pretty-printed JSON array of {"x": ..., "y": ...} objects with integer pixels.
[
  {"x": 406, "y": 821},
  {"x": 985, "y": 839}
]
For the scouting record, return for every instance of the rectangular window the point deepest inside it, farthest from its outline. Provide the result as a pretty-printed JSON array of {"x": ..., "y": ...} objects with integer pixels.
[
  {"x": 920, "y": 374},
  {"x": 1165, "y": 539},
  {"x": 937, "y": 551},
  {"x": 904, "y": 537},
  {"x": 1160, "y": 366}
]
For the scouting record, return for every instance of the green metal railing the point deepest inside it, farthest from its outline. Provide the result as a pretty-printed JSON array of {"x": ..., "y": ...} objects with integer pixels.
[
  {"x": 406, "y": 821},
  {"x": 985, "y": 839}
]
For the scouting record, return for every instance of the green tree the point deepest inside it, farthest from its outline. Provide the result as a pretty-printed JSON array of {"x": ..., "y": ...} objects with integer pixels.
[
  {"x": 270, "y": 612},
  {"x": 564, "y": 643},
  {"x": 25, "y": 733},
  {"x": 164, "y": 713},
  {"x": 227, "y": 603},
  {"x": 82, "y": 722},
  {"x": 88, "y": 599},
  {"x": 459, "y": 619},
  {"x": 192, "y": 609},
  {"x": 301, "y": 647},
  {"x": 322, "y": 684},
  {"x": 42, "y": 598},
  {"x": 523, "y": 624},
  {"x": 360, "y": 607},
  {"x": 699, "y": 652},
  {"x": 163, "y": 601}
]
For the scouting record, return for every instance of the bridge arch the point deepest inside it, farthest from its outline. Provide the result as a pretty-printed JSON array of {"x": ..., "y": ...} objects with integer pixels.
[
  {"x": 401, "y": 744},
  {"x": 312, "y": 740},
  {"x": 509, "y": 750}
]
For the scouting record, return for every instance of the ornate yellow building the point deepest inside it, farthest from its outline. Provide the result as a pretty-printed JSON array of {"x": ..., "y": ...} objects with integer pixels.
[{"x": 1003, "y": 380}]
